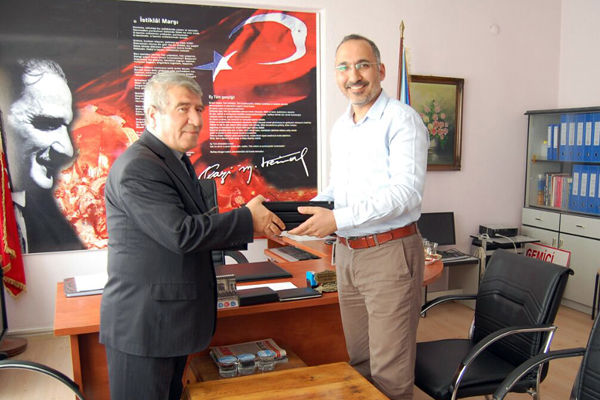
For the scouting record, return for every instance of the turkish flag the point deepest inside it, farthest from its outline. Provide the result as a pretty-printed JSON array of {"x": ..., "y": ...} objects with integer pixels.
[{"x": 12, "y": 262}]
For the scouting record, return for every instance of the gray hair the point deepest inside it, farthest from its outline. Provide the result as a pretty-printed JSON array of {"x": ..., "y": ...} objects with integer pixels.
[
  {"x": 355, "y": 36},
  {"x": 155, "y": 91}
]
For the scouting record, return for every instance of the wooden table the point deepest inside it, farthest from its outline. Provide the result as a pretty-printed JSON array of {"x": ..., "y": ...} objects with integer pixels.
[
  {"x": 335, "y": 381},
  {"x": 311, "y": 328},
  {"x": 202, "y": 367}
]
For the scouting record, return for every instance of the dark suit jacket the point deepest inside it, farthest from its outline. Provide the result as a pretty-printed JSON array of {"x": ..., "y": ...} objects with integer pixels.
[{"x": 160, "y": 298}]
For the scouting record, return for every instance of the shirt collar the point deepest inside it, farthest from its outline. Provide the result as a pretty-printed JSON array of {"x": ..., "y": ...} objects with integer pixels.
[{"x": 375, "y": 112}]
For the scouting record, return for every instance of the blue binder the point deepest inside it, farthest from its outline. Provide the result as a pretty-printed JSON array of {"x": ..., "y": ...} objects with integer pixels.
[
  {"x": 571, "y": 136},
  {"x": 595, "y": 137},
  {"x": 592, "y": 203},
  {"x": 564, "y": 138},
  {"x": 555, "y": 138},
  {"x": 549, "y": 149},
  {"x": 587, "y": 137},
  {"x": 574, "y": 198},
  {"x": 579, "y": 120},
  {"x": 584, "y": 183}
]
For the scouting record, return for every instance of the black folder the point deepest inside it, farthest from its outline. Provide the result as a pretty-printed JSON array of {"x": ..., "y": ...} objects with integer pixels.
[
  {"x": 297, "y": 293},
  {"x": 254, "y": 271},
  {"x": 288, "y": 210}
]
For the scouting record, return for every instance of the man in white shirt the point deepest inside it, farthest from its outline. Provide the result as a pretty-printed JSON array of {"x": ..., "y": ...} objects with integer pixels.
[{"x": 378, "y": 165}]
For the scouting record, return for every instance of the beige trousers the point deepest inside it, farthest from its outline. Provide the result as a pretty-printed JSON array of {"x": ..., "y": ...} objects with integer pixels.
[{"x": 379, "y": 290}]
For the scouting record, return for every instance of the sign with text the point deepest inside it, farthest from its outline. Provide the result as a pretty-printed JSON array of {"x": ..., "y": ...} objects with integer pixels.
[{"x": 548, "y": 254}]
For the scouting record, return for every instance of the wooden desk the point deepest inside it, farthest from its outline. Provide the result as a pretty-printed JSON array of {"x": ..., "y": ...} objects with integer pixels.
[
  {"x": 331, "y": 382},
  {"x": 432, "y": 272},
  {"x": 311, "y": 328},
  {"x": 320, "y": 248}
]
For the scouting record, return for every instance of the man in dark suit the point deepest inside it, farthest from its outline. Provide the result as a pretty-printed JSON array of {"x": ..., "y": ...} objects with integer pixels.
[{"x": 159, "y": 304}]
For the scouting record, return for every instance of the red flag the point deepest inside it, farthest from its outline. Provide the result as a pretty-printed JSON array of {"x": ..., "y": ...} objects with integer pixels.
[{"x": 12, "y": 262}]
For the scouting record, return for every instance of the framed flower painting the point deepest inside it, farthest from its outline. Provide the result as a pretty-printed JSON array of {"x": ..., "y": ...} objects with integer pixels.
[{"x": 439, "y": 101}]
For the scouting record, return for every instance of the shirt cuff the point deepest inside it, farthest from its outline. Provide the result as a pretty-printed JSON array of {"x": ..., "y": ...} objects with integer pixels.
[{"x": 343, "y": 218}]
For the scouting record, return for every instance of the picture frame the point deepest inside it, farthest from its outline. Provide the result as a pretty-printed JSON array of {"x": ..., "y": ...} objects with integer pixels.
[{"x": 439, "y": 102}]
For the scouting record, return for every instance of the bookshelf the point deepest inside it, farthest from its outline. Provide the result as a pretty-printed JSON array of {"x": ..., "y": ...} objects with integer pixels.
[{"x": 562, "y": 202}]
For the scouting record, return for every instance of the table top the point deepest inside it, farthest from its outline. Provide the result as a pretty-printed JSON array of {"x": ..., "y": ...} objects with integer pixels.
[
  {"x": 204, "y": 368},
  {"x": 81, "y": 315},
  {"x": 320, "y": 248},
  {"x": 432, "y": 272},
  {"x": 335, "y": 381}
]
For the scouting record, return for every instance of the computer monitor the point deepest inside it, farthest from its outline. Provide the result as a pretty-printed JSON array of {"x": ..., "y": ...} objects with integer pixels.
[{"x": 438, "y": 227}]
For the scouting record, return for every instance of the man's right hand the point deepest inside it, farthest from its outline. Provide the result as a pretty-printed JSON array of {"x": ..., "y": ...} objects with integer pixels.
[{"x": 265, "y": 222}]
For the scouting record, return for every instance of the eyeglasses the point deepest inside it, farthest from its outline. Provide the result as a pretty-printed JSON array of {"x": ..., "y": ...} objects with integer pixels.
[{"x": 359, "y": 66}]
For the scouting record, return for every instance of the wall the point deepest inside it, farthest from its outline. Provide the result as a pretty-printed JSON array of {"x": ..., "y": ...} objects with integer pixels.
[
  {"x": 507, "y": 71},
  {"x": 579, "y": 83}
]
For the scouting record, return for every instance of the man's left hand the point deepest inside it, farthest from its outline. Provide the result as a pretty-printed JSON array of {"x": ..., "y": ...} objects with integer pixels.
[{"x": 321, "y": 224}]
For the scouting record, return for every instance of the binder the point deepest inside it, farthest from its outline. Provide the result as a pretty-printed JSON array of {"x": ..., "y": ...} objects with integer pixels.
[
  {"x": 579, "y": 120},
  {"x": 587, "y": 137},
  {"x": 592, "y": 202},
  {"x": 574, "y": 197},
  {"x": 571, "y": 136},
  {"x": 549, "y": 149},
  {"x": 555, "y": 134},
  {"x": 564, "y": 138},
  {"x": 583, "y": 188},
  {"x": 595, "y": 137}
]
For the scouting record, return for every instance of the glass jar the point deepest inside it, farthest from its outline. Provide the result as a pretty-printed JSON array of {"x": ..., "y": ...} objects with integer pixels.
[
  {"x": 266, "y": 360},
  {"x": 227, "y": 366},
  {"x": 246, "y": 364}
]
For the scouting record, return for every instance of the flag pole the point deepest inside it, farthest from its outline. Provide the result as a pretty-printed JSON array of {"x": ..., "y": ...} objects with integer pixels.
[{"x": 401, "y": 56}]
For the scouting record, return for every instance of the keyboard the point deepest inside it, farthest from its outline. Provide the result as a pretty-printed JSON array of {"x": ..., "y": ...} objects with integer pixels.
[
  {"x": 452, "y": 255},
  {"x": 291, "y": 253}
]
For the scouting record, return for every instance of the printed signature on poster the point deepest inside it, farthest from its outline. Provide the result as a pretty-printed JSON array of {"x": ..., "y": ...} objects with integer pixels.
[{"x": 214, "y": 172}]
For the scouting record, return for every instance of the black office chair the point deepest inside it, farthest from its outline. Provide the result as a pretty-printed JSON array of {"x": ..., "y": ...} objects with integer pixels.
[
  {"x": 36, "y": 367},
  {"x": 516, "y": 304},
  {"x": 209, "y": 194},
  {"x": 587, "y": 383}
]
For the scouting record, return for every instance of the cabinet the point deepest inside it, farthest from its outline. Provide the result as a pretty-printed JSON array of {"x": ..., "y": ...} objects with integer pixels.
[{"x": 562, "y": 202}]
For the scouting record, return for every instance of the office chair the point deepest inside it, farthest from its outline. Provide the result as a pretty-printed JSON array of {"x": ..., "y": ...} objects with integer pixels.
[
  {"x": 515, "y": 307},
  {"x": 587, "y": 382},
  {"x": 209, "y": 194},
  {"x": 36, "y": 367}
]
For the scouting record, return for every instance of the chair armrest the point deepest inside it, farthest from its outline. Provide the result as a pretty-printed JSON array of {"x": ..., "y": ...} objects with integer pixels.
[
  {"x": 443, "y": 299},
  {"x": 33, "y": 366},
  {"x": 533, "y": 362},
  {"x": 494, "y": 337},
  {"x": 237, "y": 256}
]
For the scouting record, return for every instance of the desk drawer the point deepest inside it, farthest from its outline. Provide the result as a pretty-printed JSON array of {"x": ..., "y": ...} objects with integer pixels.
[
  {"x": 541, "y": 219},
  {"x": 581, "y": 226}
]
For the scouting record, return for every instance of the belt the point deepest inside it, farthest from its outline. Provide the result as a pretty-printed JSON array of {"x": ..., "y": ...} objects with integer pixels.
[{"x": 363, "y": 242}]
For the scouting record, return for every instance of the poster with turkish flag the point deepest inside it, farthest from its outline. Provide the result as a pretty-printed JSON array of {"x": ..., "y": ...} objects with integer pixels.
[{"x": 257, "y": 69}]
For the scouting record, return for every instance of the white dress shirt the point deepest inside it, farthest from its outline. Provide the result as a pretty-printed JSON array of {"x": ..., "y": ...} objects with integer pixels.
[{"x": 378, "y": 168}]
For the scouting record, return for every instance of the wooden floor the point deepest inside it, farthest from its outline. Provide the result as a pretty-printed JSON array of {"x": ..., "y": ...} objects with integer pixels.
[{"x": 449, "y": 320}]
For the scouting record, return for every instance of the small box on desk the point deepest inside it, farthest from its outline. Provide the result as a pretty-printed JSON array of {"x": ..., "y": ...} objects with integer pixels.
[
  {"x": 498, "y": 230},
  {"x": 257, "y": 295}
]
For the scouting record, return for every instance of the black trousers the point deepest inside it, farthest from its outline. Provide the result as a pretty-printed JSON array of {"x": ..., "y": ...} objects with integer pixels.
[{"x": 149, "y": 378}]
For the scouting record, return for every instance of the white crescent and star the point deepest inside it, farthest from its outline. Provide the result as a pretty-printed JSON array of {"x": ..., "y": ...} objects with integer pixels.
[{"x": 297, "y": 29}]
